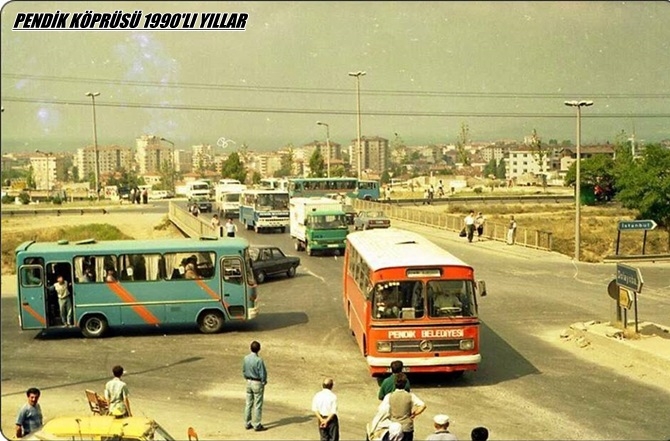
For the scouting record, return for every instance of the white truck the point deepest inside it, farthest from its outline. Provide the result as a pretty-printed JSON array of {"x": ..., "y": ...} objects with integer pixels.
[
  {"x": 227, "y": 199},
  {"x": 318, "y": 224}
]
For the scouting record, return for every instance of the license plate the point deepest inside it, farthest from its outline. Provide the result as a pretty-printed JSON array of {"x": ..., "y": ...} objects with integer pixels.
[
  {"x": 332, "y": 245},
  {"x": 404, "y": 369}
]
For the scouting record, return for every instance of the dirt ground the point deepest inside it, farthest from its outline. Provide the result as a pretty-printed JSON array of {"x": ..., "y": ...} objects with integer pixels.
[{"x": 646, "y": 358}]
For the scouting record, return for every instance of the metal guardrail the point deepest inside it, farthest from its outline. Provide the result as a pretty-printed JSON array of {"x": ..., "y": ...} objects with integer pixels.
[
  {"x": 482, "y": 200},
  {"x": 191, "y": 225},
  {"x": 541, "y": 240}
]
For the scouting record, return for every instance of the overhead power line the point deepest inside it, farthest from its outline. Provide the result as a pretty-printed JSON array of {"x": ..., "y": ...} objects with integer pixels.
[
  {"x": 331, "y": 111},
  {"x": 333, "y": 91}
]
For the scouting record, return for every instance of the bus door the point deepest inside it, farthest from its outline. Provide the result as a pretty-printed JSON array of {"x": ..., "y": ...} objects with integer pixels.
[
  {"x": 233, "y": 287},
  {"x": 32, "y": 297}
]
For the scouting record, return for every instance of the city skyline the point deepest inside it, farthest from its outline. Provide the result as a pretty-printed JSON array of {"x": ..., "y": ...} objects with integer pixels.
[{"x": 503, "y": 69}]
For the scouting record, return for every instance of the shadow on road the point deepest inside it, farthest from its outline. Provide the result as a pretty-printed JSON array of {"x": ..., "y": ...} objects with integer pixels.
[
  {"x": 276, "y": 320},
  {"x": 500, "y": 363},
  {"x": 290, "y": 420}
]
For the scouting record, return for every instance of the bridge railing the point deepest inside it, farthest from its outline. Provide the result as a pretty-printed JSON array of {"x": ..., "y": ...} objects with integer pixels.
[
  {"x": 526, "y": 237},
  {"x": 191, "y": 225}
]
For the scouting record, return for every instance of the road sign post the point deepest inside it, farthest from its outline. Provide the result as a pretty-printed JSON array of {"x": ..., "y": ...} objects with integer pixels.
[{"x": 630, "y": 283}]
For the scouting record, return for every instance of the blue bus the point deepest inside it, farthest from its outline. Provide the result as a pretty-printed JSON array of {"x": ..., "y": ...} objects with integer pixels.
[
  {"x": 262, "y": 210},
  {"x": 137, "y": 282},
  {"x": 351, "y": 187}
]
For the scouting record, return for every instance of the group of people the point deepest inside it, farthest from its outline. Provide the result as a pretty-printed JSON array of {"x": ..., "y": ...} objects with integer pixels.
[
  {"x": 30, "y": 417},
  {"x": 229, "y": 226},
  {"x": 138, "y": 196},
  {"x": 473, "y": 223},
  {"x": 395, "y": 416}
]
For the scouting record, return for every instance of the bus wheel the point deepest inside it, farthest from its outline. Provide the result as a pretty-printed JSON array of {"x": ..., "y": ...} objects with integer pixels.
[
  {"x": 283, "y": 229},
  {"x": 309, "y": 250},
  {"x": 210, "y": 322},
  {"x": 94, "y": 326},
  {"x": 260, "y": 277},
  {"x": 257, "y": 229},
  {"x": 298, "y": 245}
]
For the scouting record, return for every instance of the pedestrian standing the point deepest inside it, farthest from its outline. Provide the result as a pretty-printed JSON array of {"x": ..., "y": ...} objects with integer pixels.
[
  {"x": 145, "y": 196},
  {"x": 511, "y": 231},
  {"x": 324, "y": 406},
  {"x": 195, "y": 210},
  {"x": 403, "y": 407},
  {"x": 479, "y": 434},
  {"x": 231, "y": 228},
  {"x": 30, "y": 414},
  {"x": 64, "y": 301},
  {"x": 470, "y": 225},
  {"x": 425, "y": 197},
  {"x": 431, "y": 194},
  {"x": 255, "y": 374},
  {"x": 388, "y": 385},
  {"x": 216, "y": 224},
  {"x": 441, "y": 424},
  {"x": 479, "y": 224},
  {"x": 116, "y": 394}
]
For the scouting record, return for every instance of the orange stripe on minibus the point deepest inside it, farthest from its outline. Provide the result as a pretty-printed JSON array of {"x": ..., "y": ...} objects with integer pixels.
[
  {"x": 209, "y": 291},
  {"x": 127, "y": 297},
  {"x": 34, "y": 313}
]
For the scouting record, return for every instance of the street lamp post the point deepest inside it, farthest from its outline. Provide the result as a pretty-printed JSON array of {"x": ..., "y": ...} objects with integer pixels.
[
  {"x": 48, "y": 155},
  {"x": 95, "y": 146},
  {"x": 327, "y": 146},
  {"x": 172, "y": 163},
  {"x": 578, "y": 105},
  {"x": 358, "y": 76}
]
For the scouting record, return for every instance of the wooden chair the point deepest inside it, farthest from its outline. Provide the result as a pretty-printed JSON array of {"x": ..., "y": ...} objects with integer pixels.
[
  {"x": 98, "y": 404},
  {"x": 192, "y": 435}
]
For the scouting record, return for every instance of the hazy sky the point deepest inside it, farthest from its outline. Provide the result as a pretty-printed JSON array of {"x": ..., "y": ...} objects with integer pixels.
[{"x": 503, "y": 68}]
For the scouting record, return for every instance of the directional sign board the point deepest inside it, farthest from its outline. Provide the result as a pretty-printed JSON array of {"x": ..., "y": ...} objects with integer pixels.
[
  {"x": 637, "y": 225},
  {"x": 625, "y": 298},
  {"x": 629, "y": 277}
]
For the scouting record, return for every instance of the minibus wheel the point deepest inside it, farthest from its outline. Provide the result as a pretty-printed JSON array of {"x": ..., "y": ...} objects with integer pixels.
[
  {"x": 210, "y": 322},
  {"x": 94, "y": 326}
]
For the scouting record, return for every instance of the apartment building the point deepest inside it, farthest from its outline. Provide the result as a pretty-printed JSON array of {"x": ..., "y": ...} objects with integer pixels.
[
  {"x": 110, "y": 159},
  {"x": 151, "y": 153},
  {"x": 48, "y": 171},
  {"x": 374, "y": 154}
]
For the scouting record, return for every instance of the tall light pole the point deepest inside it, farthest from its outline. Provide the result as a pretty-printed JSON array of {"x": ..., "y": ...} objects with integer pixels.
[
  {"x": 327, "y": 146},
  {"x": 358, "y": 76},
  {"x": 48, "y": 155},
  {"x": 95, "y": 145},
  {"x": 578, "y": 105},
  {"x": 172, "y": 163}
]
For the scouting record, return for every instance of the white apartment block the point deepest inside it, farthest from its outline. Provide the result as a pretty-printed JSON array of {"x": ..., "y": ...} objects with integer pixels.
[
  {"x": 523, "y": 161},
  {"x": 267, "y": 164},
  {"x": 496, "y": 152},
  {"x": 151, "y": 154},
  {"x": 183, "y": 161},
  {"x": 48, "y": 171},
  {"x": 110, "y": 159},
  {"x": 203, "y": 156}
]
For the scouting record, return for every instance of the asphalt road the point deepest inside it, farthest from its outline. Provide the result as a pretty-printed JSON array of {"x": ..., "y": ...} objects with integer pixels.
[{"x": 526, "y": 387}]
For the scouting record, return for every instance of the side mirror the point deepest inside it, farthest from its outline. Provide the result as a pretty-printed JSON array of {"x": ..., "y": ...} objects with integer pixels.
[{"x": 481, "y": 287}]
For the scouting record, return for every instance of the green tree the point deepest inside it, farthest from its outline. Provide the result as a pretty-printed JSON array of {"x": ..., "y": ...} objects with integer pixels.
[
  {"x": 233, "y": 168},
  {"x": 386, "y": 177},
  {"x": 501, "y": 172},
  {"x": 644, "y": 184},
  {"x": 491, "y": 168},
  {"x": 337, "y": 171},
  {"x": 598, "y": 169},
  {"x": 286, "y": 168},
  {"x": 256, "y": 178},
  {"x": 317, "y": 167},
  {"x": 30, "y": 178},
  {"x": 461, "y": 142}
]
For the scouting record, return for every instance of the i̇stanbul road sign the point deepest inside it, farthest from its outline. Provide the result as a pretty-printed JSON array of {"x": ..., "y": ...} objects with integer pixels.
[{"x": 637, "y": 225}]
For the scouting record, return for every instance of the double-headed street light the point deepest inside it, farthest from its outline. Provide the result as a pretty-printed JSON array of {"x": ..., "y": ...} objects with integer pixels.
[
  {"x": 327, "y": 146},
  {"x": 358, "y": 76},
  {"x": 578, "y": 105},
  {"x": 172, "y": 164},
  {"x": 95, "y": 145}
]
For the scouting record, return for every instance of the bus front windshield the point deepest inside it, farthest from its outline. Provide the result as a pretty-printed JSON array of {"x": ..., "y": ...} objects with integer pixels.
[
  {"x": 328, "y": 222},
  {"x": 411, "y": 299},
  {"x": 272, "y": 202},
  {"x": 232, "y": 197}
]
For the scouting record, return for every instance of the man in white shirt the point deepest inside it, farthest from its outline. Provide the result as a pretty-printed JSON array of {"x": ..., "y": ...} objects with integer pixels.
[
  {"x": 231, "y": 228},
  {"x": 324, "y": 406},
  {"x": 470, "y": 225},
  {"x": 64, "y": 301},
  {"x": 441, "y": 424}
]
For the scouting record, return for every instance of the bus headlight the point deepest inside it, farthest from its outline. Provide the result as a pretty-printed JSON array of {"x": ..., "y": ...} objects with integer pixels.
[
  {"x": 466, "y": 345},
  {"x": 384, "y": 346}
]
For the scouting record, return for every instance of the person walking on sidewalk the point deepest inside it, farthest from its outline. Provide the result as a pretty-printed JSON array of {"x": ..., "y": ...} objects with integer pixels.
[
  {"x": 255, "y": 374},
  {"x": 231, "y": 228},
  {"x": 511, "y": 231},
  {"x": 470, "y": 225},
  {"x": 479, "y": 225}
]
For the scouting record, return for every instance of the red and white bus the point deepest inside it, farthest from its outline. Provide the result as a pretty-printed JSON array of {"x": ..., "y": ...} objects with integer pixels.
[{"x": 408, "y": 299}]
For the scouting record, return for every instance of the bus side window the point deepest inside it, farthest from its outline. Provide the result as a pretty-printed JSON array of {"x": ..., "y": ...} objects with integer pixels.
[
  {"x": 232, "y": 271},
  {"x": 31, "y": 276}
]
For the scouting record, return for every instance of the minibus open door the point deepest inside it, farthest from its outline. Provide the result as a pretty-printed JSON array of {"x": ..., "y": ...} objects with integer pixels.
[{"x": 32, "y": 297}]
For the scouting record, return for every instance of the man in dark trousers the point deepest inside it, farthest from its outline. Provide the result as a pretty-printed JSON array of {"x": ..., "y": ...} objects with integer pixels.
[{"x": 324, "y": 406}]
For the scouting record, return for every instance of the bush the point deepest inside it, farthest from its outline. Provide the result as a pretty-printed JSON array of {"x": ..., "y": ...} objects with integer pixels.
[
  {"x": 57, "y": 200},
  {"x": 7, "y": 199},
  {"x": 478, "y": 190},
  {"x": 24, "y": 197}
]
